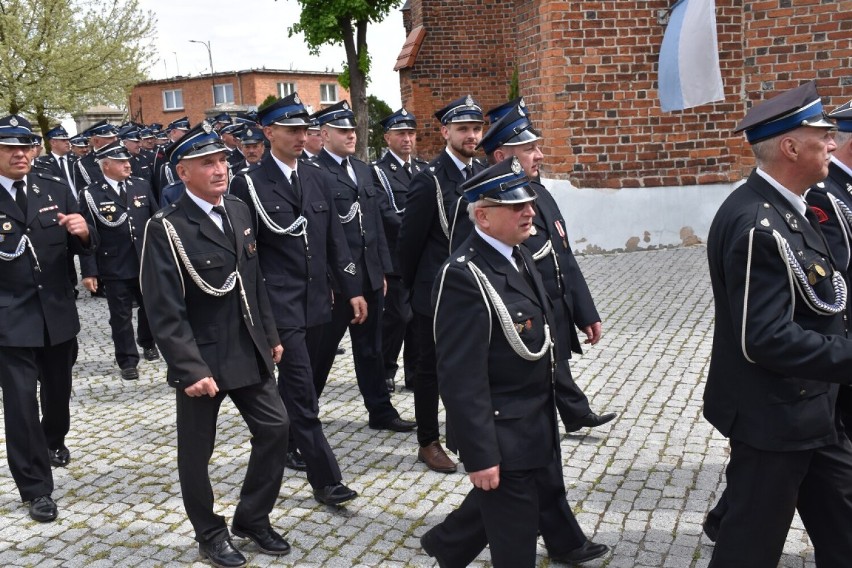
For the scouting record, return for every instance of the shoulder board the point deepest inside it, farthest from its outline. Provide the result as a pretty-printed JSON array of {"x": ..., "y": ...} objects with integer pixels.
[
  {"x": 462, "y": 257},
  {"x": 765, "y": 218},
  {"x": 309, "y": 162},
  {"x": 51, "y": 177},
  {"x": 166, "y": 211},
  {"x": 420, "y": 161},
  {"x": 480, "y": 162},
  {"x": 233, "y": 198}
]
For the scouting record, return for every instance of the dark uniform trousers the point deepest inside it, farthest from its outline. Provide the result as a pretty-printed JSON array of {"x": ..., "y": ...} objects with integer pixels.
[
  {"x": 367, "y": 243},
  {"x": 771, "y": 383},
  {"x": 398, "y": 332},
  {"x": 121, "y": 294},
  {"x": 422, "y": 249},
  {"x": 295, "y": 271},
  {"x": 39, "y": 328},
  {"x": 226, "y": 337},
  {"x": 500, "y": 410}
]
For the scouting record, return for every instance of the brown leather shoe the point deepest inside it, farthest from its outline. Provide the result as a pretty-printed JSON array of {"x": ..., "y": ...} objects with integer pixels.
[{"x": 436, "y": 458}]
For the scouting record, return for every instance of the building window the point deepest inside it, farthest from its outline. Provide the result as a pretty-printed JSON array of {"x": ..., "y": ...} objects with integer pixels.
[
  {"x": 223, "y": 94},
  {"x": 328, "y": 93},
  {"x": 173, "y": 100},
  {"x": 285, "y": 89}
]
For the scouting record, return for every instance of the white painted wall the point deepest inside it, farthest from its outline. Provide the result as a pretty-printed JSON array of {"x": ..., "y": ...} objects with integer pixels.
[{"x": 615, "y": 220}]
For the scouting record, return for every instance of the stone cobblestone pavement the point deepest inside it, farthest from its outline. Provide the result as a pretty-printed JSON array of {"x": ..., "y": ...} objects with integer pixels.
[{"x": 641, "y": 484}]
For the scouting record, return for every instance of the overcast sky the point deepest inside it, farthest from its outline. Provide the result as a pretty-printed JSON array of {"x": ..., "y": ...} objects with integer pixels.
[{"x": 245, "y": 34}]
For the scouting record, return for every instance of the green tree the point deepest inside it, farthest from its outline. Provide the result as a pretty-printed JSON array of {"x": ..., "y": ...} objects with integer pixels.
[
  {"x": 377, "y": 109},
  {"x": 336, "y": 22},
  {"x": 59, "y": 57}
]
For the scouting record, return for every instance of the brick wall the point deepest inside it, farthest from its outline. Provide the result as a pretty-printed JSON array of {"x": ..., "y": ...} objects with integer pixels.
[
  {"x": 588, "y": 71},
  {"x": 250, "y": 89}
]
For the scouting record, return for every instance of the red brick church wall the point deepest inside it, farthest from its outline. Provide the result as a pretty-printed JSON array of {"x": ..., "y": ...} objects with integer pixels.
[{"x": 588, "y": 71}]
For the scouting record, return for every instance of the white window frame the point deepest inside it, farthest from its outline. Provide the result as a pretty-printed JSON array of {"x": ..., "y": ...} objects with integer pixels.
[
  {"x": 170, "y": 93},
  {"x": 224, "y": 87},
  {"x": 283, "y": 89},
  {"x": 324, "y": 87}
]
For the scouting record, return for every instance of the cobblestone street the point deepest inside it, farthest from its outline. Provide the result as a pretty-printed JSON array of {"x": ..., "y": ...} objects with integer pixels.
[{"x": 641, "y": 484}]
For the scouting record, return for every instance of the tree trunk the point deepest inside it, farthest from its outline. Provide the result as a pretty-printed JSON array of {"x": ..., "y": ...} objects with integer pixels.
[
  {"x": 43, "y": 124},
  {"x": 355, "y": 47}
]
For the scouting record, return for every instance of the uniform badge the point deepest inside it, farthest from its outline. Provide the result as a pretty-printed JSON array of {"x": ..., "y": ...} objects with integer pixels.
[
  {"x": 521, "y": 103},
  {"x": 516, "y": 166},
  {"x": 403, "y": 112},
  {"x": 35, "y": 189},
  {"x": 205, "y": 126},
  {"x": 296, "y": 99},
  {"x": 13, "y": 121},
  {"x": 460, "y": 259},
  {"x": 792, "y": 221},
  {"x": 468, "y": 101},
  {"x": 49, "y": 197},
  {"x": 815, "y": 273},
  {"x": 394, "y": 167},
  {"x": 520, "y": 327},
  {"x": 247, "y": 232},
  {"x": 7, "y": 226},
  {"x": 350, "y": 268},
  {"x": 764, "y": 222},
  {"x": 252, "y": 247},
  {"x": 108, "y": 217},
  {"x": 821, "y": 184},
  {"x": 158, "y": 216},
  {"x": 849, "y": 187},
  {"x": 345, "y": 105},
  {"x": 137, "y": 203},
  {"x": 249, "y": 132},
  {"x": 533, "y": 230}
]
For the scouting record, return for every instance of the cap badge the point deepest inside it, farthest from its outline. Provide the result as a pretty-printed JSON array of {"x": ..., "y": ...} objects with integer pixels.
[
  {"x": 205, "y": 126},
  {"x": 521, "y": 111},
  {"x": 345, "y": 105},
  {"x": 296, "y": 99},
  {"x": 516, "y": 166},
  {"x": 13, "y": 121},
  {"x": 249, "y": 132},
  {"x": 403, "y": 112},
  {"x": 521, "y": 103},
  {"x": 468, "y": 101}
]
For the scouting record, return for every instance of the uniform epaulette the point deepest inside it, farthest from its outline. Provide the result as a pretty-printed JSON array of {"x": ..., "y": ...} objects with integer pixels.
[
  {"x": 764, "y": 216},
  {"x": 166, "y": 211},
  {"x": 420, "y": 160},
  {"x": 480, "y": 162},
  {"x": 463, "y": 259},
  {"x": 309, "y": 162},
  {"x": 51, "y": 177},
  {"x": 234, "y": 198}
]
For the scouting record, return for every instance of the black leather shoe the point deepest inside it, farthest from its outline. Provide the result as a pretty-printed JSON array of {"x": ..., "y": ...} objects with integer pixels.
[
  {"x": 394, "y": 424},
  {"x": 43, "y": 509},
  {"x": 431, "y": 548},
  {"x": 59, "y": 457},
  {"x": 267, "y": 540},
  {"x": 222, "y": 553},
  {"x": 589, "y": 551},
  {"x": 390, "y": 384},
  {"x": 151, "y": 353},
  {"x": 334, "y": 494},
  {"x": 590, "y": 420},
  {"x": 130, "y": 374},
  {"x": 295, "y": 461}
]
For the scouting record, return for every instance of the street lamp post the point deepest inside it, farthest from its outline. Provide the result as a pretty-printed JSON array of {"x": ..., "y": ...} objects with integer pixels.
[{"x": 209, "y": 55}]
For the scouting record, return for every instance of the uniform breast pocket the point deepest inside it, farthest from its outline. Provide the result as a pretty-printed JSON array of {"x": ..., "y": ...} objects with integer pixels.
[
  {"x": 207, "y": 260},
  {"x": 250, "y": 247},
  {"x": 276, "y": 208},
  {"x": 319, "y": 206},
  {"x": 53, "y": 231},
  {"x": 370, "y": 191},
  {"x": 526, "y": 317}
]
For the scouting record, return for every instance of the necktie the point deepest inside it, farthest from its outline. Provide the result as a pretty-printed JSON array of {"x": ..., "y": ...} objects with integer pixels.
[
  {"x": 122, "y": 195},
  {"x": 522, "y": 268},
  {"x": 297, "y": 187},
  {"x": 407, "y": 167},
  {"x": 468, "y": 172},
  {"x": 63, "y": 163},
  {"x": 348, "y": 167},
  {"x": 20, "y": 195},
  {"x": 226, "y": 224}
]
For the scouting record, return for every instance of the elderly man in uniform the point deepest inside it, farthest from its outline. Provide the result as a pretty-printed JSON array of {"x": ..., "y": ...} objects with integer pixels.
[
  {"x": 118, "y": 207},
  {"x": 356, "y": 202},
  {"x": 140, "y": 164},
  {"x": 39, "y": 228},
  {"x": 300, "y": 238},
  {"x": 494, "y": 347},
  {"x": 230, "y": 136},
  {"x": 88, "y": 171},
  {"x": 252, "y": 142},
  {"x": 162, "y": 171},
  {"x": 212, "y": 320},
  {"x": 393, "y": 173},
  {"x": 513, "y": 135},
  {"x": 780, "y": 345},
  {"x": 432, "y": 228}
]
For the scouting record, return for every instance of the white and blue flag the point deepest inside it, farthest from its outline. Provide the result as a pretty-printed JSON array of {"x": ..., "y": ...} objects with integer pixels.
[{"x": 689, "y": 73}]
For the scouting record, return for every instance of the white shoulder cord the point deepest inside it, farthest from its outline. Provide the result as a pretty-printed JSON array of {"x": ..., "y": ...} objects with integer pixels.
[
  {"x": 299, "y": 227},
  {"x": 453, "y": 230},
  {"x": 83, "y": 172},
  {"x": 438, "y": 303},
  {"x": 442, "y": 213},
  {"x": 22, "y": 245},
  {"x": 97, "y": 214},
  {"x": 169, "y": 176},
  {"x": 232, "y": 279},
  {"x": 845, "y": 215},
  {"x": 383, "y": 179},
  {"x": 545, "y": 250},
  {"x": 806, "y": 291}
]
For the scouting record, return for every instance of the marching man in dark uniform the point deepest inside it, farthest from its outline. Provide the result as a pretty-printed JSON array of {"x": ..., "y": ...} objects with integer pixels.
[
  {"x": 252, "y": 142},
  {"x": 780, "y": 343},
  {"x": 300, "y": 238},
  {"x": 513, "y": 135},
  {"x": 39, "y": 228},
  {"x": 211, "y": 317},
  {"x": 431, "y": 229},
  {"x": 356, "y": 202},
  {"x": 494, "y": 343},
  {"x": 88, "y": 171},
  {"x": 118, "y": 207},
  {"x": 392, "y": 173},
  {"x": 60, "y": 161}
]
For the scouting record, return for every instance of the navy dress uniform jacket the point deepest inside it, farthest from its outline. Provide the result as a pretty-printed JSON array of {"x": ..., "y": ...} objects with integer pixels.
[
  {"x": 573, "y": 305},
  {"x": 199, "y": 334},
  {"x": 835, "y": 225},
  {"x": 296, "y": 272},
  {"x": 499, "y": 406},
  {"x": 32, "y": 299},
  {"x": 774, "y": 358},
  {"x": 423, "y": 247},
  {"x": 86, "y": 171},
  {"x": 120, "y": 247},
  {"x": 394, "y": 197},
  {"x": 50, "y": 165},
  {"x": 367, "y": 242}
]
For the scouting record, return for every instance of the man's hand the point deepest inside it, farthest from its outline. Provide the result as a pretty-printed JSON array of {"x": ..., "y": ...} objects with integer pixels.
[
  {"x": 486, "y": 479},
  {"x": 205, "y": 386},
  {"x": 359, "y": 308},
  {"x": 593, "y": 333},
  {"x": 277, "y": 351},
  {"x": 75, "y": 225},
  {"x": 91, "y": 284}
]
